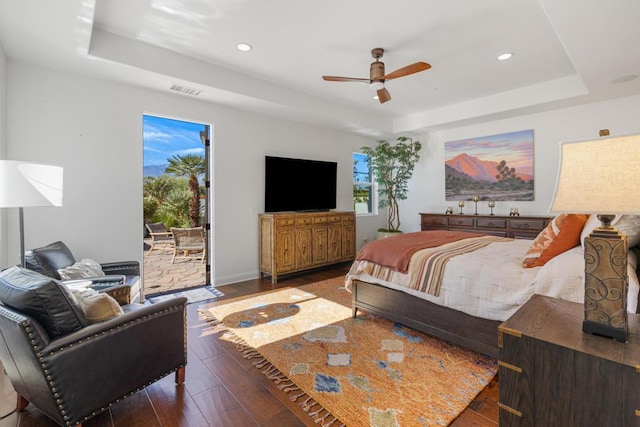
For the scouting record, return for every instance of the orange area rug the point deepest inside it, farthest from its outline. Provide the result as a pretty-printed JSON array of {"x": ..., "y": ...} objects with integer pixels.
[{"x": 365, "y": 371}]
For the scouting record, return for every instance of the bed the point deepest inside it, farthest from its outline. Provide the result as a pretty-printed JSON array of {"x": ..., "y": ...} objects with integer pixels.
[{"x": 478, "y": 289}]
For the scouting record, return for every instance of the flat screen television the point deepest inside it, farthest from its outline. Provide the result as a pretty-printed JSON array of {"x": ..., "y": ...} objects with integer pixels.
[{"x": 299, "y": 185}]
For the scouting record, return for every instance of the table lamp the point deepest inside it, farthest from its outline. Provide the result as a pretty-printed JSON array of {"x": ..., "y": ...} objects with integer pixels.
[
  {"x": 25, "y": 184},
  {"x": 602, "y": 176}
]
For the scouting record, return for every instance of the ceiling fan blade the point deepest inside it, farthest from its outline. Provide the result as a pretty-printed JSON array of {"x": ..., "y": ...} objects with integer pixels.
[
  {"x": 344, "y": 79},
  {"x": 383, "y": 95},
  {"x": 408, "y": 70}
]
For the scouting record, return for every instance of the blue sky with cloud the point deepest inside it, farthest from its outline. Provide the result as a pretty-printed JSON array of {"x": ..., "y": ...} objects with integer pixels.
[{"x": 164, "y": 138}]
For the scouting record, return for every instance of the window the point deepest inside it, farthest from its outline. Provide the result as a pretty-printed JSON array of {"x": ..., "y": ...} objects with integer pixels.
[{"x": 364, "y": 194}]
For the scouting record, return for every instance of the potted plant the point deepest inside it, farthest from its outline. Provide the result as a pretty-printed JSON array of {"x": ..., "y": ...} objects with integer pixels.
[{"x": 392, "y": 166}]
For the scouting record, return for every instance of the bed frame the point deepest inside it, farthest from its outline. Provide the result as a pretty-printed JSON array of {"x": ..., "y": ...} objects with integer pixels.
[{"x": 454, "y": 326}]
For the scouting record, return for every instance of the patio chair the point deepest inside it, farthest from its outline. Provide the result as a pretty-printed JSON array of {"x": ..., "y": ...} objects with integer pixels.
[
  {"x": 161, "y": 238},
  {"x": 190, "y": 242}
]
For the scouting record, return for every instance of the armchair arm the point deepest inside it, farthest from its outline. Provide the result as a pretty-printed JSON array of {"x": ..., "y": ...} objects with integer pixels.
[
  {"x": 110, "y": 360},
  {"x": 127, "y": 268}
]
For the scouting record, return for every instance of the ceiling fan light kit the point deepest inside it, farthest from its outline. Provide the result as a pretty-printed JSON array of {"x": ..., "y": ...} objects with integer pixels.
[{"x": 377, "y": 77}]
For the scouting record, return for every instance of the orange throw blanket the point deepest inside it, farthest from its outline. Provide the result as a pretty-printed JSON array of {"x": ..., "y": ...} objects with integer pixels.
[{"x": 395, "y": 252}]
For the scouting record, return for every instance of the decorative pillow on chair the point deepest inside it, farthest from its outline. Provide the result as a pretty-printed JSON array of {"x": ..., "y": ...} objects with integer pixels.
[
  {"x": 81, "y": 270},
  {"x": 45, "y": 299},
  {"x": 562, "y": 234},
  {"x": 97, "y": 307},
  {"x": 53, "y": 257}
]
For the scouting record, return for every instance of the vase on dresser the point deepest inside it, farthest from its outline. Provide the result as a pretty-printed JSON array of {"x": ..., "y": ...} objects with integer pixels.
[{"x": 385, "y": 234}]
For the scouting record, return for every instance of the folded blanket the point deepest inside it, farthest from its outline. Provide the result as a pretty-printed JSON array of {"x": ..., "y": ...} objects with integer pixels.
[{"x": 395, "y": 252}]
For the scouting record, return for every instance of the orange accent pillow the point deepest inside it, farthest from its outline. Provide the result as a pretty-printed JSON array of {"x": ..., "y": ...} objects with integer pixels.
[{"x": 562, "y": 234}]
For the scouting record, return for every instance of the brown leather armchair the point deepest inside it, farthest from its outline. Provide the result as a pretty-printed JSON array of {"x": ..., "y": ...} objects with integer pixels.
[{"x": 72, "y": 370}]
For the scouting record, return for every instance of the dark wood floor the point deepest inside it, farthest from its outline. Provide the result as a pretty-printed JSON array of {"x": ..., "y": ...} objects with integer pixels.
[{"x": 223, "y": 389}]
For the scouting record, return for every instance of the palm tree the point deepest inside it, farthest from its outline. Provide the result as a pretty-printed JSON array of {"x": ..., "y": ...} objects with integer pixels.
[
  {"x": 157, "y": 188},
  {"x": 191, "y": 166}
]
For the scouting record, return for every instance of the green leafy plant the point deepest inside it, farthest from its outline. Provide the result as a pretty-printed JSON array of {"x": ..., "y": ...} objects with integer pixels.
[
  {"x": 392, "y": 165},
  {"x": 192, "y": 167}
]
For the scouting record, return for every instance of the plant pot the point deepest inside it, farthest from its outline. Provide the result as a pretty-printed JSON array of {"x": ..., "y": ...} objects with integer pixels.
[{"x": 385, "y": 234}]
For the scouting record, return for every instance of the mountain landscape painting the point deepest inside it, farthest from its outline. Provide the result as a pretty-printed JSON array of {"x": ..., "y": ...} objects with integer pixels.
[{"x": 495, "y": 167}]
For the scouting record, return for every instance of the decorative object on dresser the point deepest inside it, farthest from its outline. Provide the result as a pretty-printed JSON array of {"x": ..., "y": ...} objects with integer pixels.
[
  {"x": 461, "y": 205},
  {"x": 24, "y": 184},
  {"x": 524, "y": 227},
  {"x": 601, "y": 176},
  {"x": 291, "y": 242},
  {"x": 392, "y": 165},
  {"x": 491, "y": 205},
  {"x": 553, "y": 374},
  {"x": 476, "y": 199}
]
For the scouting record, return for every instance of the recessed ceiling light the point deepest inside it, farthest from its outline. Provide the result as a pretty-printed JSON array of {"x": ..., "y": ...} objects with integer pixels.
[
  {"x": 505, "y": 56},
  {"x": 624, "y": 79},
  {"x": 244, "y": 47},
  {"x": 376, "y": 97}
]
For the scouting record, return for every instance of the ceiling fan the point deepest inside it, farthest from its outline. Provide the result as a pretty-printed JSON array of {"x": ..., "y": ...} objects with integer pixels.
[{"x": 377, "y": 77}]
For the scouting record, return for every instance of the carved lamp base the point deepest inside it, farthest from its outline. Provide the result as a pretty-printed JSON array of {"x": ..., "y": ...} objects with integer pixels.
[{"x": 606, "y": 284}]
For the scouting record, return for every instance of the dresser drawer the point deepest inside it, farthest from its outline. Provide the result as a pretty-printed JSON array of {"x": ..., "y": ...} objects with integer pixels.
[
  {"x": 491, "y": 223},
  {"x": 305, "y": 220},
  {"x": 319, "y": 219},
  {"x": 285, "y": 222},
  {"x": 434, "y": 220},
  {"x": 460, "y": 221},
  {"x": 527, "y": 224},
  {"x": 334, "y": 218}
]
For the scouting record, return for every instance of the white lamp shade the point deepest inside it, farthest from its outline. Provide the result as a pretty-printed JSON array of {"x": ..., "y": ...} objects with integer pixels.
[
  {"x": 24, "y": 184},
  {"x": 599, "y": 176}
]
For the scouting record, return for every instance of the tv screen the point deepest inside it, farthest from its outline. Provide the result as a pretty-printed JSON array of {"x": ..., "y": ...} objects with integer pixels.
[{"x": 299, "y": 185}]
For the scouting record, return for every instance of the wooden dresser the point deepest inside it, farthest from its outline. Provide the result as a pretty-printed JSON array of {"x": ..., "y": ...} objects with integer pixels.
[
  {"x": 519, "y": 227},
  {"x": 553, "y": 374},
  {"x": 292, "y": 242}
]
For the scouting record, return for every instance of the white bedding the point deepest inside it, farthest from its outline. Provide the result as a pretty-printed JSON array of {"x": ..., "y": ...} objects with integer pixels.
[{"x": 491, "y": 282}]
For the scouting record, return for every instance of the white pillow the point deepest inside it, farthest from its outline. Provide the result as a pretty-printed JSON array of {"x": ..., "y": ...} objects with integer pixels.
[
  {"x": 81, "y": 270},
  {"x": 96, "y": 306},
  {"x": 592, "y": 222},
  {"x": 626, "y": 224},
  {"x": 630, "y": 226}
]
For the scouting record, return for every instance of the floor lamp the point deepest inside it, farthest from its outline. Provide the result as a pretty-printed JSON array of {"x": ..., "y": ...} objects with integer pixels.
[
  {"x": 602, "y": 176},
  {"x": 25, "y": 184}
]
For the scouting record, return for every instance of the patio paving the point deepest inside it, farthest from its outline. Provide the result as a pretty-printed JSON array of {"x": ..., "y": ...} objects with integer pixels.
[{"x": 161, "y": 276}]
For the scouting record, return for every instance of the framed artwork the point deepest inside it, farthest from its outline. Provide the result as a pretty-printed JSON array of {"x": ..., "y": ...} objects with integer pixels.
[{"x": 495, "y": 167}]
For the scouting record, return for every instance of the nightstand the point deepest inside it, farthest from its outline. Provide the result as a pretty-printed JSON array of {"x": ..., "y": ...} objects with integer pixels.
[{"x": 553, "y": 374}]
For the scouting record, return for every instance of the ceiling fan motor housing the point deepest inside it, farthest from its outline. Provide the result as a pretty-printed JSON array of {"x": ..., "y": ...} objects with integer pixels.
[{"x": 376, "y": 72}]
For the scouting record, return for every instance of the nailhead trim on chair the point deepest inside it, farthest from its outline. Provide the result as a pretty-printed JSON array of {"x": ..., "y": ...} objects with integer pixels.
[{"x": 51, "y": 382}]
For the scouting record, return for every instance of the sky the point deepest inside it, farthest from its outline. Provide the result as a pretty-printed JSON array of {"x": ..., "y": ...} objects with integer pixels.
[{"x": 163, "y": 138}]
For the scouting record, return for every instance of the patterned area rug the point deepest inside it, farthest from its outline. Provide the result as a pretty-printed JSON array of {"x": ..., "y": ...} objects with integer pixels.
[
  {"x": 357, "y": 372},
  {"x": 193, "y": 295}
]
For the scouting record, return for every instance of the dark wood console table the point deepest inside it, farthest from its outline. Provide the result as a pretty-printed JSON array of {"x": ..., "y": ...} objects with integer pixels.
[
  {"x": 553, "y": 374},
  {"x": 519, "y": 227}
]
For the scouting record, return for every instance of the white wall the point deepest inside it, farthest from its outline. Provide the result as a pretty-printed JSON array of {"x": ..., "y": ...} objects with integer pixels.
[
  {"x": 93, "y": 128},
  {"x": 3, "y": 149},
  {"x": 549, "y": 128}
]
